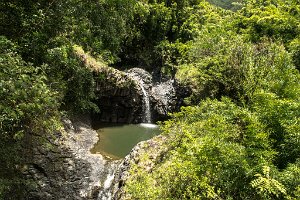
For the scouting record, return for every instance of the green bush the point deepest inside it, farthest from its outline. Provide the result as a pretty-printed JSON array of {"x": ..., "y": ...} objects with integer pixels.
[
  {"x": 28, "y": 107},
  {"x": 72, "y": 79},
  {"x": 222, "y": 63},
  {"x": 216, "y": 149}
]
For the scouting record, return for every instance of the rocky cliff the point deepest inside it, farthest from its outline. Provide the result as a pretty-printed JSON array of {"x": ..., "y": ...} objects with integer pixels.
[
  {"x": 65, "y": 169},
  {"x": 120, "y": 95}
]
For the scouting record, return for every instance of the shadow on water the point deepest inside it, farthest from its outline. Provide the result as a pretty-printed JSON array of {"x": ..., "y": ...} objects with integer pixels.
[{"x": 117, "y": 140}]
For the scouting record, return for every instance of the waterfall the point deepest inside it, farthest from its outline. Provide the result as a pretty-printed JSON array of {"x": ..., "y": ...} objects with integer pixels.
[
  {"x": 146, "y": 107},
  {"x": 143, "y": 80},
  {"x": 106, "y": 192}
]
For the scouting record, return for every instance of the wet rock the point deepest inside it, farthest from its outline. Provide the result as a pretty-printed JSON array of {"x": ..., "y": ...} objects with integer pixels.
[
  {"x": 167, "y": 97},
  {"x": 140, "y": 74},
  {"x": 68, "y": 171},
  {"x": 119, "y": 99},
  {"x": 123, "y": 102},
  {"x": 154, "y": 148}
]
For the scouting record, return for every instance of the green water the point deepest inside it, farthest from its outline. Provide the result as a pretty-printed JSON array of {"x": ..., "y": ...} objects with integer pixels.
[{"x": 116, "y": 141}]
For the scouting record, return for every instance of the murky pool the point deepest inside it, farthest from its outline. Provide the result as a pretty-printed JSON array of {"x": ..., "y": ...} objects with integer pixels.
[{"x": 116, "y": 141}]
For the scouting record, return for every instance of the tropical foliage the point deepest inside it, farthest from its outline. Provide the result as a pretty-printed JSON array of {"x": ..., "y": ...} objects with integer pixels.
[
  {"x": 27, "y": 106},
  {"x": 238, "y": 138},
  {"x": 241, "y": 141}
]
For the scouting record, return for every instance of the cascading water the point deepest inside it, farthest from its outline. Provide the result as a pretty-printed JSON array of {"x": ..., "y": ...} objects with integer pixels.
[
  {"x": 106, "y": 192},
  {"x": 143, "y": 79},
  {"x": 146, "y": 107}
]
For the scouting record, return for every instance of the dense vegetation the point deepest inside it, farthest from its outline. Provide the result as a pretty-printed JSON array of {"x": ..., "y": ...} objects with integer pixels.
[{"x": 239, "y": 138}]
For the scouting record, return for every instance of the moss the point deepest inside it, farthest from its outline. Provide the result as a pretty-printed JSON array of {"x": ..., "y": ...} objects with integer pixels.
[{"x": 105, "y": 74}]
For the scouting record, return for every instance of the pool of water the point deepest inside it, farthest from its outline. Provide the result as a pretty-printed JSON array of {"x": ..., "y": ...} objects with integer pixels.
[{"x": 116, "y": 141}]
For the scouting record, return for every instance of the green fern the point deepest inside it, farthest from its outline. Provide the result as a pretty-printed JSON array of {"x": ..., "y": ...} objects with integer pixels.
[{"x": 266, "y": 186}]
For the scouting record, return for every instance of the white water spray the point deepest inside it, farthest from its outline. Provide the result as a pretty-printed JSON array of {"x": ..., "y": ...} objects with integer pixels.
[{"x": 106, "y": 193}]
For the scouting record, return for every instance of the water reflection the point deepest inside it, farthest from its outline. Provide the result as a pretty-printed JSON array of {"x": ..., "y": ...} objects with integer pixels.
[{"x": 116, "y": 141}]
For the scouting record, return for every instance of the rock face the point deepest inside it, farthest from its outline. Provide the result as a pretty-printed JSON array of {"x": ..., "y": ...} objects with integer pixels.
[
  {"x": 125, "y": 97},
  {"x": 167, "y": 97},
  {"x": 154, "y": 148},
  {"x": 119, "y": 96},
  {"x": 65, "y": 169},
  {"x": 125, "y": 103},
  {"x": 119, "y": 103}
]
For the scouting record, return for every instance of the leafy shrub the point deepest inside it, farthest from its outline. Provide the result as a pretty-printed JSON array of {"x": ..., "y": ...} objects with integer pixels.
[
  {"x": 72, "y": 79},
  {"x": 28, "y": 107},
  {"x": 216, "y": 149},
  {"x": 222, "y": 63}
]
